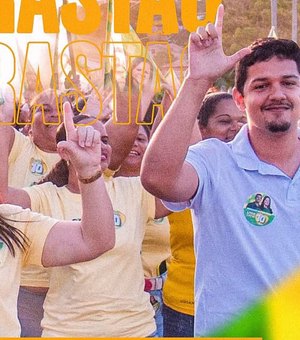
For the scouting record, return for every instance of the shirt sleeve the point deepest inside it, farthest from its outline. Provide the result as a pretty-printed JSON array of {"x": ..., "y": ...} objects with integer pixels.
[
  {"x": 19, "y": 141},
  {"x": 36, "y": 228},
  {"x": 38, "y": 198},
  {"x": 199, "y": 156}
]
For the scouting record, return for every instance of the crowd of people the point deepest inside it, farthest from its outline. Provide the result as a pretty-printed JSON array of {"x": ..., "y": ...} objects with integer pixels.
[{"x": 126, "y": 230}]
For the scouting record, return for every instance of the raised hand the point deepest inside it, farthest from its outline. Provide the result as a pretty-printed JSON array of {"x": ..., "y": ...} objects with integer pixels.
[
  {"x": 207, "y": 60},
  {"x": 82, "y": 146}
]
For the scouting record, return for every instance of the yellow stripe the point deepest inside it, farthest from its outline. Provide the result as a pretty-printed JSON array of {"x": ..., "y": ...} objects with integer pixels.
[{"x": 284, "y": 310}]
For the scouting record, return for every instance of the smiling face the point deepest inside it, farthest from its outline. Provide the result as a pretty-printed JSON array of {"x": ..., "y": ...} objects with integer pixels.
[
  {"x": 266, "y": 202},
  {"x": 44, "y": 126},
  {"x": 137, "y": 72},
  {"x": 272, "y": 96},
  {"x": 225, "y": 122},
  {"x": 258, "y": 198},
  {"x": 105, "y": 146},
  {"x": 132, "y": 163}
]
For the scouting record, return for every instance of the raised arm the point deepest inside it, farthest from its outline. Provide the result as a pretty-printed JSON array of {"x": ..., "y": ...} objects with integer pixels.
[
  {"x": 164, "y": 171},
  {"x": 70, "y": 242},
  {"x": 122, "y": 136}
]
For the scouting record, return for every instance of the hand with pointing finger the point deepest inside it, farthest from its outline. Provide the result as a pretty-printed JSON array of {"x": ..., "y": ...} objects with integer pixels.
[
  {"x": 82, "y": 146},
  {"x": 207, "y": 60}
]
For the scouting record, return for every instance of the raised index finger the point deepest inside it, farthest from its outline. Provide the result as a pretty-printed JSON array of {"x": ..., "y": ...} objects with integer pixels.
[
  {"x": 68, "y": 121},
  {"x": 219, "y": 20}
]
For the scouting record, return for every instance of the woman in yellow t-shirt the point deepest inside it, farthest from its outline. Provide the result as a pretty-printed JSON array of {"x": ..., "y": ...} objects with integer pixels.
[
  {"x": 30, "y": 238},
  {"x": 156, "y": 242},
  {"x": 104, "y": 297}
]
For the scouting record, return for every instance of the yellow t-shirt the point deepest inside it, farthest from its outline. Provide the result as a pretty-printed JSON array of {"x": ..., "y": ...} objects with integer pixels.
[
  {"x": 36, "y": 228},
  {"x": 27, "y": 164},
  {"x": 49, "y": 200},
  {"x": 178, "y": 291},
  {"x": 156, "y": 245},
  {"x": 104, "y": 297}
]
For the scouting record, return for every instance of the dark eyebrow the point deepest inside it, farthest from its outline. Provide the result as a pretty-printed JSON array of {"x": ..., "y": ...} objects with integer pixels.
[
  {"x": 259, "y": 79},
  {"x": 291, "y": 76},
  {"x": 223, "y": 114},
  {"x": 287, "y": 76}
]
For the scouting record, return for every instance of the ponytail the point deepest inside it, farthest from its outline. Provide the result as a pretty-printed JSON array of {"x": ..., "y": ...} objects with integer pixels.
[{"x": 12, "y": 237}]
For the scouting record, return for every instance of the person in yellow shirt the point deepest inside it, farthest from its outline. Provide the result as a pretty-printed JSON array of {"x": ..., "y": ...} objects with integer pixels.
[
  {"x": 32, "y": 156},
  {"x": 81, "y": 295},
  {"x": 81, "y": 300},
  {"x": 30, "y": 238},
  {"x": 156, "y": 241},
  {"x": 178, "y": 292},
  {"x": 34, "y": 280}
]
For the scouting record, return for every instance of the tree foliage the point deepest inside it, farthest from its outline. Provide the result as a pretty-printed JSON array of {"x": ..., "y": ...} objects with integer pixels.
[{"x": 248, "y": 20}]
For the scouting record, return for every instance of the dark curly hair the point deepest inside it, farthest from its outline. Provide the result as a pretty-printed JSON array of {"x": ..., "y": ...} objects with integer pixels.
[{"x": 264, "y": 50}]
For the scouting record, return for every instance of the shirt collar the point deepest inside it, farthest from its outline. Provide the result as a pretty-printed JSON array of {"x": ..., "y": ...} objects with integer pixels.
[{"x": 246, "y": 157}]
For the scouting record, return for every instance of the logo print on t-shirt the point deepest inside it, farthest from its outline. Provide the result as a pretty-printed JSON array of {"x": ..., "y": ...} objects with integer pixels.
[
  {"x": 119, "y": 219},
  {"x": 38, "y": 167},
  {"x": 259, "y": 209},
  {"x": 159, "y": 220}
]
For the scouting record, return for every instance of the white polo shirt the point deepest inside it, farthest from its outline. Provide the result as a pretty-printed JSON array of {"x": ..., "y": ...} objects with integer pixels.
[{"x": 241, "y": 252}]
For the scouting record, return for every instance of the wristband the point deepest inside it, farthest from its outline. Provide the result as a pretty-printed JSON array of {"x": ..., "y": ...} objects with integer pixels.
[{"x": 91, "y": 179}]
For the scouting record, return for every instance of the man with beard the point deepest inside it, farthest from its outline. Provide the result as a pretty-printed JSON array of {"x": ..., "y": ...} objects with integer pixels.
[
  {"x": 33, "y": 156},
  {"x": 241, "y": 254}
]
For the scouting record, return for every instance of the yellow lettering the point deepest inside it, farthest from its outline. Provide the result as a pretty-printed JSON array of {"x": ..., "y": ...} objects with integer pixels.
[
  {"x": 30, "y": 8},
  {"x": 133, "y": 49},
  {"x": 122, "y": 13},
  {"x": 82, "y": 68},
  {"x": 81, "y": 24},
  {"x": 183, "y": 63},
  {"x": 159, "y": 78},
  {"x": 165, "y": 8},
  {"x": 189, "y": 12},
  {"x": 7, "y": 21},
  {"x": 33, "y": 80},
  {"x": 6, "y": 56}
]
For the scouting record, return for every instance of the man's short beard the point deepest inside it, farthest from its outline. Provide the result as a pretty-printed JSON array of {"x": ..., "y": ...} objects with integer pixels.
[{"x": 278, "y": 127}]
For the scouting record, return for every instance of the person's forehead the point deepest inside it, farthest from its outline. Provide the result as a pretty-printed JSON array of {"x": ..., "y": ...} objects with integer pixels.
[
  {"x": 271, "y": 69},
  {"x": 142, "y": 131},
  {"x": 227, "y": 106},
  {"x": 48, "y": 100}
]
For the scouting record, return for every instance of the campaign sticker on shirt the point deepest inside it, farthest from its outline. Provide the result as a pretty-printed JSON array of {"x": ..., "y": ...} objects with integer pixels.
[
  {"x": 259, "y": 209},
  {"x": 119, "y": 219},
  {"x": 159, "y": 220},
  {"x": 38, "y": 167}
]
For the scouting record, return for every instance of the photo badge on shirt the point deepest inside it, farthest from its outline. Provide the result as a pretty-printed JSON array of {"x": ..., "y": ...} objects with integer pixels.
[{"x": 259, "y": 209}]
